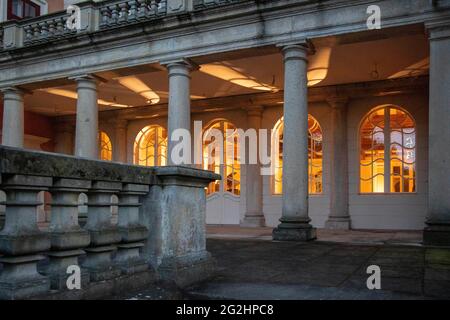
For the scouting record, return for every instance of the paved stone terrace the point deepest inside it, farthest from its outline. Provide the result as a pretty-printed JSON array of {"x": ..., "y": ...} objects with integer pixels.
[
  {"x": 252, "y": 266},
  {"x": 261, "y": 269}
]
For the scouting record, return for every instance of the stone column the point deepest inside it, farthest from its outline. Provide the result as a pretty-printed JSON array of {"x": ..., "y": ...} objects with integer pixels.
[
  {"x": 437, "y": 231},
  {"x": 13, "y": 117},
  {"x": 86, "y": 136},
  {"x": 254, "y": 216},
  {"x": 64, "y": 138},
  {"x": 120, "y": 148},
  {"x": 295, "y": 224},
  {"x": 339, "y": 217},
  {"x": 179, "y": 114}
]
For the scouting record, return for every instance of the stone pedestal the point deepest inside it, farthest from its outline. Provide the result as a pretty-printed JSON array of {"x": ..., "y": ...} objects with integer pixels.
[
  {"x": 129, "y": 259},
  {"x": 295, "y": 220},
  {"x": 175, "y": 214},
  {"x": 99, "y": 264},
  {"x": 56, "y": 268},
  {"x": 19, "y": 278}
]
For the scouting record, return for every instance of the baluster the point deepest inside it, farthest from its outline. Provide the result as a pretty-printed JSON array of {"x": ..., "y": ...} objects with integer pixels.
[
  {"x": 52, "y": 28},
  {"x": 28, "y": 33},
  {"x": 60, "y": 26},
  {"x": 21, "y": 240},
  {"x": 36, "y": 32},
  {"x": 67, "y": 237},
  {"x": 133, "y": 233},
  {"x": 103, "y": 234},
  {"x": 2, "y": 209},
  {"x": 143, "y": 9},
  {"x": 161, "y": 8},
  {"x": 106, "y": 14},
  {"x": 114, "y": 14},
  {"x": 44, "y": 30},
  {"x": 132, "y": 15},
  {"x": 123, "y": 15}
]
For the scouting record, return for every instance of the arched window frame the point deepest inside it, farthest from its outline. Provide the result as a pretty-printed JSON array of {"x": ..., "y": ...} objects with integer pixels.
[
  {"x": 314, "y": 142},
  {"x": 388, "y": 177},
  {"x": 159, "y": 145},
  {"x": 105, "y": 147},
  {"x": 234, "y": 167}
]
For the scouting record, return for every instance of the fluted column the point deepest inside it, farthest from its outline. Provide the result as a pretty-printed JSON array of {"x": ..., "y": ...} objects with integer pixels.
[
  {"x": 295, "y": 224},
  {"x": 13, "y": 117},
  {"x": 437, "y": 231},
  {"x": 339, "y": 216},
  {"x": 254, "y": 216},
  {"x": 86, "y": 136},
  {"x": 120, "y": 148},
  {"x": 179, "y": 113}
]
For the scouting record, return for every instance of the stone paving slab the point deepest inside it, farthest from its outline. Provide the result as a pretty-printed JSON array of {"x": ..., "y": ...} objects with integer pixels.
[{"x": 258, "y": 269}]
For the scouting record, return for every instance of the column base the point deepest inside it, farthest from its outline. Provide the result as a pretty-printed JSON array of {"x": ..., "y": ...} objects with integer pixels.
[
  {"x": 20, "y": 279},
  {"x": 437, "y": 234},
  {"x": 17, "y": 245},
  {"x": 129, "y": 259},
  {"x": 335, "y": 223},
  {"x": 99, "y": 264},
  {"x": 56, "y": 269},
  {"x": 187, "y": 270},
  {"x": 253, "y": 221},
  {"x": 294, "y": 231}
]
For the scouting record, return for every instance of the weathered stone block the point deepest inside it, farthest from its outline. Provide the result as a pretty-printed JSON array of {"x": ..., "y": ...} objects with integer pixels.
[
  {"x": 99, "y": 264},
  {"x": 20, "y": 279},
  {"x": 303, "y": 233}
]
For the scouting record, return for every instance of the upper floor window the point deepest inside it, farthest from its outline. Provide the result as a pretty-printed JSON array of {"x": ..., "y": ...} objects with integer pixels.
[
  {"x": 315, "y": 157},
  {"x": 388, "y": 151},
  {"x": 22, "y": 9},
  {"x": 150, "y": 146},
  {"x": 105, "y": 148}
]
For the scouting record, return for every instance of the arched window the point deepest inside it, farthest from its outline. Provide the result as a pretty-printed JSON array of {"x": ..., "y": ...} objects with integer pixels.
[
  {"x": 105, "y": 147},
  {"x": 387, "y": 140},
  {"x": 150, "y": 146},
  {"x": 315, "y": 156},
  {"x": 226, "y": 149}
]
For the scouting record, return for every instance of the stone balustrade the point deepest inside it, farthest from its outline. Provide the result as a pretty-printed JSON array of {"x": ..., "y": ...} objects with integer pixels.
[
  {"x": 124, "y": 12},
  {"x": 160, "y": 232},
  {"x": 94, "y": 16}
]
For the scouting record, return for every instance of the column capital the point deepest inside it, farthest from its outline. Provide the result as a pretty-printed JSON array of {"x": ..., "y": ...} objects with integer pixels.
[
  {"x": 254, "y": 110},
  {"x": 337, "y": 102},
  {"x": 186, "y": 63},
  {"x": 439, "y": 29},
  {"x": 14, "y": 90},
  {"x": 297, "y": 49},
  {"x": 120, "y": 123}
]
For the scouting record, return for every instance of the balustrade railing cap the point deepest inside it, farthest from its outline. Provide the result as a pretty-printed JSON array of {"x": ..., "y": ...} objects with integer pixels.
[{"x": 39, "y": 163}]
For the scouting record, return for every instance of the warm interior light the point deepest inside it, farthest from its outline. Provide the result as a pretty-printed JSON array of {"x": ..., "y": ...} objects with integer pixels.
[
  {"x": 137, "y": 85},
  {"x": 318, "y": 66},
  {"x": 413, "y": 70},
  {"x": 229, "y": 73},
  {"x": 74, "y": 95}
]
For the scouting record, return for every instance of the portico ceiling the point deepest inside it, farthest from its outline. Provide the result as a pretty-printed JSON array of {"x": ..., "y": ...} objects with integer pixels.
[{"x": 353, "y": 62}]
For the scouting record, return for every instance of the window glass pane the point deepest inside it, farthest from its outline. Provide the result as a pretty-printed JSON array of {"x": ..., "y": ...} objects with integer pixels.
[
  {"x": 403, "y": 153},
  {"x": 150, "y": 147},
  {"x": 315, "y": 157},
  {"x": 105, "y": 148},
  {"x": 372, "y": 152},
  {"x": 401, "y": 156},
  {"x": 228, "y": 150},
  {"x": 17, "y": 8}
]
